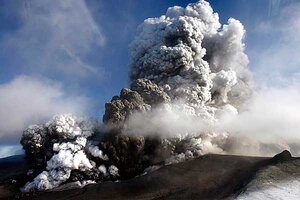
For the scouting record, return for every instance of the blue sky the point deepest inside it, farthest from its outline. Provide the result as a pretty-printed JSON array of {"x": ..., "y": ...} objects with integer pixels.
[{"x": 60, "y": 56}]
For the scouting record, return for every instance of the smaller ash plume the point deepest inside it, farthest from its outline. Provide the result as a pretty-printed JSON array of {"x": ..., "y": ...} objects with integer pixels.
[
  {"x": 186, "y": 71},
  {"x": 60, "y": 151}
]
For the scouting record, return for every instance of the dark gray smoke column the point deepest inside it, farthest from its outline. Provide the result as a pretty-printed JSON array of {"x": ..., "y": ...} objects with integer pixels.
[
  {"x": 131, "y": 152},
  {"x": 186, "y": 71}
]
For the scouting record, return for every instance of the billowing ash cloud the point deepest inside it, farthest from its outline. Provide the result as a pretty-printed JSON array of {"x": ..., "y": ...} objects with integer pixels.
[
  {"x": 192, "y": 57},
  {"x": 186, "y": 72},
  {"x": 202, "y": 68},
  {"x": 61, "y": 146}
]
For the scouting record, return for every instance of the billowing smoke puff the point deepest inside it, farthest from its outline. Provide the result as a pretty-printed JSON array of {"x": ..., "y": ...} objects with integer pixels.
[
  {"x": 187, "y": 53},
  {"x": 186, "y": 71},
  {"x": 61, "y": 147},
  {"x": 200, "y": 66}
]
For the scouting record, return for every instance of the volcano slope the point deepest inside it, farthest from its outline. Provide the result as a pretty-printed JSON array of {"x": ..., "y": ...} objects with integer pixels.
[{"x": 208, "y": 177}]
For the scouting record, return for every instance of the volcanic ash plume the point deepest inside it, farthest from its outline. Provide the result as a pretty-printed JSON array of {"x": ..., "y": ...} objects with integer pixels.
[
  {"x": 186, "y": 72},
  {"x": 61, "y": 151},
  {"x": 199, "y": 65}
]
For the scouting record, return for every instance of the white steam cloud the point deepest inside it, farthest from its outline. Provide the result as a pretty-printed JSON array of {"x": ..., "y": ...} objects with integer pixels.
[
  {"x": 267, "y": 126},
  {"x": 26, "y": 100}
]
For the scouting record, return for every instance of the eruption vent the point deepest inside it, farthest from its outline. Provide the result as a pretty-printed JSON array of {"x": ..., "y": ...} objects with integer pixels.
[{"x": 186, "y": 71}]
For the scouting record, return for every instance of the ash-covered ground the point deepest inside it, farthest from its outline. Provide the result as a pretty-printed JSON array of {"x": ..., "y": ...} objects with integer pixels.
[
  {"x": 208, "y": 177},
  {"x": 188, "y": 77}
]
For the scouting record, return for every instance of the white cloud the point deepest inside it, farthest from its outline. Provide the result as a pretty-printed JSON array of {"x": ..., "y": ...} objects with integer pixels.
[
  {"x": 26, "y": 100},
  {"x": 268, "y": 124},
  {"x": 271, "y": 115},
  {"x": 56, "y": 36}
]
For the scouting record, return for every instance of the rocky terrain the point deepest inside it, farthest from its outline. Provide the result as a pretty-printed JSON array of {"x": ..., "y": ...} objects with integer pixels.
[{"x": 208, "y": 177}]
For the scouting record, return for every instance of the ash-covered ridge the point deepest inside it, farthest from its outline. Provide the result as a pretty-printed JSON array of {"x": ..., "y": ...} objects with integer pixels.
[{"x": 186, "y": 71}]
